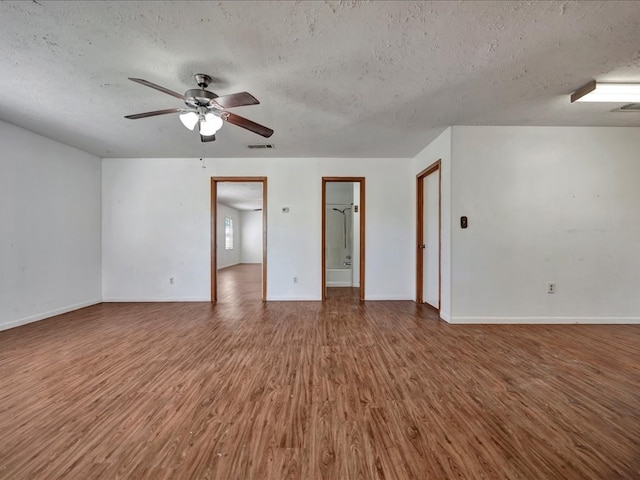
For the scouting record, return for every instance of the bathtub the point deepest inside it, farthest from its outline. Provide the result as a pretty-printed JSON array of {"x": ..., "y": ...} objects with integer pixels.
[{"x": 339, "y": 277}]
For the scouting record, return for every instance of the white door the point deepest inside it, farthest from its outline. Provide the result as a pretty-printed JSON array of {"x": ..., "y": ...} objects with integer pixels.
[{"x": 431, "y": 258}]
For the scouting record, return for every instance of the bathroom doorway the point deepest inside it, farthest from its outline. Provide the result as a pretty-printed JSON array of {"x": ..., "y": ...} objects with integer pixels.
[{"x": 343, "y": 237}]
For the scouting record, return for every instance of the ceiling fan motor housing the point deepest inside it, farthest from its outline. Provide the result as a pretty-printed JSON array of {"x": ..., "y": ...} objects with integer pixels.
[{"x": 198, "y": 97}]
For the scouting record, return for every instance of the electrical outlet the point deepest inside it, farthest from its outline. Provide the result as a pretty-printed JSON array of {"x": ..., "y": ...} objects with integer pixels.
[
  {"x": 171, "y": 280},
  {"x": 295, "y": 279},
  {"x": 551, "y": 288}
]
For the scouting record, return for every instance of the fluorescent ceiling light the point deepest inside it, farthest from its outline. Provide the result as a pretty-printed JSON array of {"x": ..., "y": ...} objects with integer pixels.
[
  {"x": 210, "y": 125},
  {"x": 189, "y": 119},
  {"x": 607, "y": 92}
]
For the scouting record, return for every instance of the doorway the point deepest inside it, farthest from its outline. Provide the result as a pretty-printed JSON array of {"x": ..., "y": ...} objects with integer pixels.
[
  {"x": 343, "y": 235},
  {"x": 241, "y": 195},
  {"x": 428, "y": 225}
]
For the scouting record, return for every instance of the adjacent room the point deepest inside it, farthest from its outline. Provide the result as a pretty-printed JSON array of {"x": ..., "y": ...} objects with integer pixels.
[
  {"x": 319, "y": 240},
  {"x": 240, "y": 241}
]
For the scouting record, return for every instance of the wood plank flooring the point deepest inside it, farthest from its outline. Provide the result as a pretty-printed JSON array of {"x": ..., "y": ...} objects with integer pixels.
[
  {"x": 306, "y": 390},
  {"x": 240, "y": 283}
]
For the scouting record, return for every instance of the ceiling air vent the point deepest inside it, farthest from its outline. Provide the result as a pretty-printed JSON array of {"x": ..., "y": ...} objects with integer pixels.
[
  {"x": 632, "y": 107},
  {"x": 260, "y": 146}
]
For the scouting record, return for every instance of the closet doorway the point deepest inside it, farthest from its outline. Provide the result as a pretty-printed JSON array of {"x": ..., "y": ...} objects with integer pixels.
[{"x": 428, "y": 249}]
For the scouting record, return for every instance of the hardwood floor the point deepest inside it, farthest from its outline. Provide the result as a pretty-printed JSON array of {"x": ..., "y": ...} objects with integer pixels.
[
  {"x": 240, "y": 283},
  {"x": 306, "y": 390},
  {"x": 343, "y": 294}
]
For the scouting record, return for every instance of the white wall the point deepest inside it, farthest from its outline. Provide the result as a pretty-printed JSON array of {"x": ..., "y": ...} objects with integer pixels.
[
  {"x": 50, "y": 227},
  {"x": 339, "y": 193},
  {"x": 251, "y": 237},
  {"x": 439, "y": 149},
  {"x": 546, "y": 204},
  {"x": 227, "y": 258},
  {"x": 156, "y": 225}
]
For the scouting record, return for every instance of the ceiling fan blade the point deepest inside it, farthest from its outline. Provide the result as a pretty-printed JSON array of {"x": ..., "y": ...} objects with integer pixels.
[
  {"x": 248, "y": 124},
  {"x": 157, "y": 87},
  {"x": 236, "y": 100},
  {"x": 154, "y": 113},
  {"x": 207, "y": 138}
]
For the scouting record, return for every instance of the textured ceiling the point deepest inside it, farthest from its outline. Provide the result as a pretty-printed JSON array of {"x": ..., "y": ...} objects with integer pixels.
[
  {"x": 335, "y": 78},
  {"x": 240, "y": 195}
]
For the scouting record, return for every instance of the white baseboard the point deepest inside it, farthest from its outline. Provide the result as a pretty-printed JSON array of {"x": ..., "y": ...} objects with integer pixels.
[
  {"x": 51, "y": 313},
  {"x": 154, "y": 299},
  {"x": 546, "y": 320}
]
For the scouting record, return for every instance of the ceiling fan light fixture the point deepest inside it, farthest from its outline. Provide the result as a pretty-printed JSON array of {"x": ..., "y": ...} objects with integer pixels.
[
  {"x": 210, "y": 124},
  {"x": 607, "y": 92},
  {"x": 189, "y": 119}
]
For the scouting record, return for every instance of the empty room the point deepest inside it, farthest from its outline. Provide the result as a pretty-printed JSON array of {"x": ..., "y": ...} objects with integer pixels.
[{"x": 319, "y": 240}]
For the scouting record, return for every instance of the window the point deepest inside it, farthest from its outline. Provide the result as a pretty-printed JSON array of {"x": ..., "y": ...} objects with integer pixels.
[{"x": 228, "y": 233}]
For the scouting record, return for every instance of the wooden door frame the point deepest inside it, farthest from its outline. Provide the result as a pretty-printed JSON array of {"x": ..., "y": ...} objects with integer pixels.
[
  {"x": 214, "y": 231},
  {"x": 361, "y": 206},
  {"x": 434, "y": 167}
]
